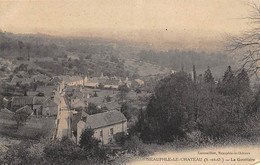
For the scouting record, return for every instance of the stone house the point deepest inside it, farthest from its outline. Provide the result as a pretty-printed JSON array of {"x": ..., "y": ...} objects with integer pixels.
[{"x": 105, "y": 125}]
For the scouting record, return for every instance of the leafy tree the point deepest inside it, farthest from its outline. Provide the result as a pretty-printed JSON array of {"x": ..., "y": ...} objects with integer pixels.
[
  {"x": 123, "y": 90},
  {"x": 171, "y": 108},
  {"x": 95, "y": 94},
  {"x": 194, "y": 74},
  {"x": 125, "y": 110},
  {"x": 90, "y": 144},
  {"x": 208, "y": 78},
  {"x": 1, "y": 101},
  {"x": 32, "y": 72},
  {"x": 20, "y": 118},
  {"x": 18, "y": 154},
  {"x": 120, "y": 138},
  {"x": 101, "y": 86},
  {"x": 93, "y": 109},
  {"x": 20, "y": 45},
  {"x": 228, "y": 84},
  {"x": 243, "y": 84},
  {"x": 256, "y": 103},
  {"x": 28, "y": 47},
  {"x": 64, "y": 152},
  {"x": 108, "y": 98},
  {"x": 141, "y": 126}
]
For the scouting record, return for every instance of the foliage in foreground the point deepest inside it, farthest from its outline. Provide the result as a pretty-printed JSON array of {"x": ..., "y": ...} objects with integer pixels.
[
  {"x": 199, "y": 109},
  {"x": 47, "y": 153}
]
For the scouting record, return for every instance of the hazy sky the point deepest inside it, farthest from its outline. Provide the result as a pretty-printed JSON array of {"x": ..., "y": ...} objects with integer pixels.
[{"x": 145, "y": 20}]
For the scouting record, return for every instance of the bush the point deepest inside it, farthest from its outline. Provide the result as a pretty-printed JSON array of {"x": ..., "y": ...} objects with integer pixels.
[
  {"x": 252, "y": 127},
  {"x": 135, "y": 145},
  {"x": 120, "y": 138},
  {"x": 91, "y": 144},
  {"x": 64, "y": 152}
]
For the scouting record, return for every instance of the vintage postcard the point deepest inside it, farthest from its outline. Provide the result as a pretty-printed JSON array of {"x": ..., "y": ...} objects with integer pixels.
[{"x": 129, "y": 82}]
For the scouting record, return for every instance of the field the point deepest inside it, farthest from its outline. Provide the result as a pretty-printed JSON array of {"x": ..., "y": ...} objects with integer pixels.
[
  {"x": 33, "y": 129},
  {"x": 145, "y": 69}
]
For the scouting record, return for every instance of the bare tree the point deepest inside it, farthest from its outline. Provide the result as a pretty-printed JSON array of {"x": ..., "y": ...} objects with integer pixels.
[{"x": 246, "y": 46}]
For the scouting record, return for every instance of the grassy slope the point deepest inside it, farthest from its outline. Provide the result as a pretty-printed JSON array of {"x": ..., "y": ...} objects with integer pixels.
[{"x": 34, "y": 128}]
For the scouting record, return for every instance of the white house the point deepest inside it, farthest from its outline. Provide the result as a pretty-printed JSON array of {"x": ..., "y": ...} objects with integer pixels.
[
  {"x": 72, "y": 80},
  {"x": 92, "y": 82},
  {"x": 105, "y": 125}
]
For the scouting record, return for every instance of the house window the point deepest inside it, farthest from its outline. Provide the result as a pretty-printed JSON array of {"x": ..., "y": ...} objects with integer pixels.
[
  {"x": 101, "y": 133},
  {"x": 111, "y": 131}
]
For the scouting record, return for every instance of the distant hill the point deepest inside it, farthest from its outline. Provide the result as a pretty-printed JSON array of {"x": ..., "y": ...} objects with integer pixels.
[{"x": 104, "y": 53}]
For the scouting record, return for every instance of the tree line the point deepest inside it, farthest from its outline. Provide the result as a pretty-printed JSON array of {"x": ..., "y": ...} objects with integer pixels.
[
  {"x": 184, "y": 104},
  {"x": 176, "y": 58}
]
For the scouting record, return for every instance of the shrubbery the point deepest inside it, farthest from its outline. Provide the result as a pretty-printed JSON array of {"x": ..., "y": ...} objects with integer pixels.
[
  {"x": 47, "y": 153},
  {"x": 198, "y": 109}
]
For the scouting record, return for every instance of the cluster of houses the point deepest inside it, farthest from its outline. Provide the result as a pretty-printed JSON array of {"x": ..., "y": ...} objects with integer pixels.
[
  {"x": 26, "y": 79},
  {"x": 110, "y": 83},
  {"x": 39, "y": 106},
  {"x": 45, "y": 101},
  {"x": 108, "y": 122}
]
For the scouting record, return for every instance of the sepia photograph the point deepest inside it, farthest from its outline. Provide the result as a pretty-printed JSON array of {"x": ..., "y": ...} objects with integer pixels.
[{"x": 129, "y": 82}]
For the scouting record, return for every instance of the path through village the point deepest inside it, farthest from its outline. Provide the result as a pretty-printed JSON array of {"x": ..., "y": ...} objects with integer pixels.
[{"x": 63, "y": 119}]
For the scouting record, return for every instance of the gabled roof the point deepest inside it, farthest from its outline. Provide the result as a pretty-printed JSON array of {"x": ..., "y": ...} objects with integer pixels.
[
  {"x": 78, "y": 103},
  {"x": 23, "y": 80},
  {"x": 112, "y": 105},
  {"x": 105, "y": 119},
  {"x": 41, "y": 77},
  {"x": 26, "y": 109},
  {"x": 22, "y": 100},
  {"x": 49, "y": 103},
  {"x": 39, "y": 100},
  {"x": 38, "y": 107},
  {"x": 69, "y": 79},
  {"x": 47, "y": 90}
]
